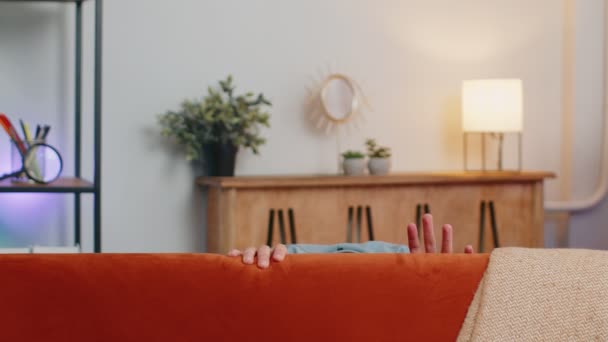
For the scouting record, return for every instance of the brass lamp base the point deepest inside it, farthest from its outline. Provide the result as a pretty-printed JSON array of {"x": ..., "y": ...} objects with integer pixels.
[{"x": 500, "y": 137}]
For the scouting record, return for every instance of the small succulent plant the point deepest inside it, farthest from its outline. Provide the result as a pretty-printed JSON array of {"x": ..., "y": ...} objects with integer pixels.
[
  {"x": 375, "y": 151},
  {"x": 353, "y": 155}
]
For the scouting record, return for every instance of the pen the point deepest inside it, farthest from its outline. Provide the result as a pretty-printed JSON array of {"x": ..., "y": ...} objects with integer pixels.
[
  {"x": 25, "y": 135},
  {"x": 12, "y": 133},
  {"x": 45, "y": 131},
  {"x": 28, "y": 134}
]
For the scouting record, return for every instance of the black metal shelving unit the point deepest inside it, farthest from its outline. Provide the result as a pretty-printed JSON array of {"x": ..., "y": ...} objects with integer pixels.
[{"x": 76, "y": 185}]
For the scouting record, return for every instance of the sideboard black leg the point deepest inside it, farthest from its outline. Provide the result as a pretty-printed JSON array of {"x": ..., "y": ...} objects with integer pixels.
[
  {"x": 270, "y": 227},
  {"x": 370, "y": 228},
  {"x": 359, "y": 222},
  {"x": 482, "y": 219},
  {"x": 349, "y": 225},
  {"x": 282, "y": 227},
  {"x": 292, "y": 226},
  {"x": 419, "y": 218},
  {"x": 493, "y": 223},
  {"x": 427, "y": 210}
]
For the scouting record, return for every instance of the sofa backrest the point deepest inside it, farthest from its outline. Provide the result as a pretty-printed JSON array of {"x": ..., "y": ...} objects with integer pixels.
[{"x": 205, "y": 297}]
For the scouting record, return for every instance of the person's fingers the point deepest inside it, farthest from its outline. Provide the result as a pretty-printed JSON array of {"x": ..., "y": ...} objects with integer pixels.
[
  {"x": 263, "y": 256},
  {"x": 234, "y": 252},
  {"x": 412, "y": 239},
  {"x": 248, "y": 255},
  {"x": 429, "y": 234},
  {"x": 468, "y": 249},
  {"x": 279, "y": 252},
  {"x": 446, "y": 239}
]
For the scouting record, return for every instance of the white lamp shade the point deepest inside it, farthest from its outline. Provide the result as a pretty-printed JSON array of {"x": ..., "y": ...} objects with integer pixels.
[{"x": 493, "y": 105}]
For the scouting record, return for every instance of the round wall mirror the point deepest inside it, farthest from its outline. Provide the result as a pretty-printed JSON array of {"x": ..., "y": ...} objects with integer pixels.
[
  {"x": 335, "y": 101},
  {"x": 338, "y": 98},
  {"x": 335, "y": 105}
]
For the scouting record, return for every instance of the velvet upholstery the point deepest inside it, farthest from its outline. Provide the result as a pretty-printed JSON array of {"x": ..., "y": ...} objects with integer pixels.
[{"x": 206, "y": 297}]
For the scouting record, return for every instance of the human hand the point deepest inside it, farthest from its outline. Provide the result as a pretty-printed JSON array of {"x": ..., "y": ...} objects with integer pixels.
[
  {"x": 429, "y": 237},
  {"x": 264, "y": 254}
]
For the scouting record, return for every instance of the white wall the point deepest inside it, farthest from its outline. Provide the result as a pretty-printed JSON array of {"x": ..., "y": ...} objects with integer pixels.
[
  {"x": 588, "y": 229},
  {"x": 408, "y": 56}
]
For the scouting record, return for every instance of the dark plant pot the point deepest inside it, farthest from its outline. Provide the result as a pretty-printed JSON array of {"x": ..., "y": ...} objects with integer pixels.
[{"x": 220, "y": 159}]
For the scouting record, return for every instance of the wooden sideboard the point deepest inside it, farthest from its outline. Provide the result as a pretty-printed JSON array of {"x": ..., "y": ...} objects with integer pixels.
[{"x": 240, "y": 208}]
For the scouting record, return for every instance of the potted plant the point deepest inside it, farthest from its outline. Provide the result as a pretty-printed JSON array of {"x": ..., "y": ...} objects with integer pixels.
[
  {"x": 354, "y": 163},
  {"x": 379, "y": 158},
  {"x": 213, "y": 129}
]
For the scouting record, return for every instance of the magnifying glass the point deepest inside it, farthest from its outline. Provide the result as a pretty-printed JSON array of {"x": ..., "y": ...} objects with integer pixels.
[{"x": 41, "y": 163}]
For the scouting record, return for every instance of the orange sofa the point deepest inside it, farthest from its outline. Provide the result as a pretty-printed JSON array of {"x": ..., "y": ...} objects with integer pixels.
[{"x": 206, "y": 297}]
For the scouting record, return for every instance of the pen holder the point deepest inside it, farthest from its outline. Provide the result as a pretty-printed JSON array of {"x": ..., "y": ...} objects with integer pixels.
[{"x": 17, "y": 162}]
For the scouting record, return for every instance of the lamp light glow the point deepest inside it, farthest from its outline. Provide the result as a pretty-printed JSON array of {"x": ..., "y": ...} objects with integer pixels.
[{"x": 492, "y": 105}]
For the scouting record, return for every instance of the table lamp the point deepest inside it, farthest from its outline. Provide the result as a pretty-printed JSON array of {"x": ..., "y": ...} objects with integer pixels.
[{"x": 495, "y": 107}]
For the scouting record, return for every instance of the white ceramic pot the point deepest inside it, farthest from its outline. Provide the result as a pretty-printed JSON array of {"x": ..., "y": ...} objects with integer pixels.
[
  {"x": 379, "y": 166},
  {"x": 354, "y": 166}
]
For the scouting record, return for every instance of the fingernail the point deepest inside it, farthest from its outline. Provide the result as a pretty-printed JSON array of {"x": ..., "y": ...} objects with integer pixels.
[
  {"x": 264, "y": 264},
  {"x": 248, "y": 260}
]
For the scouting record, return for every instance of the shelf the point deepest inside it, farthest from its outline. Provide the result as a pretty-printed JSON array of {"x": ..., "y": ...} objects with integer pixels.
[
  {"x": 62, "y": 185},
  {"x": 76, "y": 185}
]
